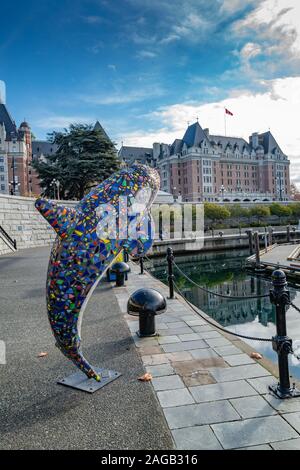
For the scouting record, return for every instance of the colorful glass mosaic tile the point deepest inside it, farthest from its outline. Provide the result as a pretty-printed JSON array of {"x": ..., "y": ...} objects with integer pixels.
[{"x": 79, "y": 257}]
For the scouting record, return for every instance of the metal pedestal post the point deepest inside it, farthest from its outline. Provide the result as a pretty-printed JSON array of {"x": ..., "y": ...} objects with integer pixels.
[
  {"x": 170, "y": 258},
  {"x": 282, "y": 344},
  {"x": 146, "y": 324}
]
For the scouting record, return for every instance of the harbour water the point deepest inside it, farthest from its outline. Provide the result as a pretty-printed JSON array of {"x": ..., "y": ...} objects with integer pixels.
[{"x": 225, "y": 273}]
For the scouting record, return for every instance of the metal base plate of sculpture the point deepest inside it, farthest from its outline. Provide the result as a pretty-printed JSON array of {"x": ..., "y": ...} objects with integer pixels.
[
  {"x": 81, "y": 382},
  {"x": 87, "y": 245}
]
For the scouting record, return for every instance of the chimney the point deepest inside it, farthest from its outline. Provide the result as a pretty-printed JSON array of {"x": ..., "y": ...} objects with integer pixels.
[
  {"x": 254, "y": 140},
  {"x": 206, "y": 131}
]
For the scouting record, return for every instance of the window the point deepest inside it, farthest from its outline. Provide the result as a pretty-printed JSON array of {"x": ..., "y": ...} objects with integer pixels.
[
  {"x": 2, "y": 187},
  {"x": 2, "y": 178},
  {"x": 1, "y": 159},
  {"x": 2, "y": 168}
]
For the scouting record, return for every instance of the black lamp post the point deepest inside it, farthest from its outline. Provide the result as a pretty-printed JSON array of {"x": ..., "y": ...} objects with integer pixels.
[{"x": 14, "y": 184}]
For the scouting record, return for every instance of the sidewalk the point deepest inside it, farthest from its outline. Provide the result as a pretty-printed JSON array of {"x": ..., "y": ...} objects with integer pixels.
[
  {"x": 35, "y": 412},
  {"x": 213, "y": 395}
]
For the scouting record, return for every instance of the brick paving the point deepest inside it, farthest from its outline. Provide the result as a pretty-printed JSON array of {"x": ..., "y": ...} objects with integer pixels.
[{"x": 213, "y": 395}]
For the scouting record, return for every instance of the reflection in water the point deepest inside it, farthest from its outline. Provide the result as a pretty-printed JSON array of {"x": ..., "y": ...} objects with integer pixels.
[{"x": 225, "y": 273}]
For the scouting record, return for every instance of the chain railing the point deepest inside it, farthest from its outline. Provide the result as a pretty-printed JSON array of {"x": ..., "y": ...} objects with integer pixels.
[
  {"x": 232, "y": 297},
  {"x": 279, "y": 296}
]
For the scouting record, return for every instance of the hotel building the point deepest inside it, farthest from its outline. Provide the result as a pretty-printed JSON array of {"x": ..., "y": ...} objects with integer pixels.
[{"x": 205, "y": 167}]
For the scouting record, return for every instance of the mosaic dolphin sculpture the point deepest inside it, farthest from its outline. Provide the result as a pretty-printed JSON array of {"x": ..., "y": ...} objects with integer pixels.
[{"x": 80, "y": 255}]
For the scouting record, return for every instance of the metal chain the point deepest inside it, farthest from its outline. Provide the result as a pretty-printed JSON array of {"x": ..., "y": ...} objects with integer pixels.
[
  {"x": 216, "y": 293},
  {"x": 216, "y": 325},
  {"x": 295, "y": 306}
]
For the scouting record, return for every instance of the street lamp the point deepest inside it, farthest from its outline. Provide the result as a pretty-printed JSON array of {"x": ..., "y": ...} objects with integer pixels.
[
  {"x": 14, "y": 183},
  {"x": 57, "y": 184},
  {"x": 222, "y": 189},
  {"x": 278, "y": 178}
]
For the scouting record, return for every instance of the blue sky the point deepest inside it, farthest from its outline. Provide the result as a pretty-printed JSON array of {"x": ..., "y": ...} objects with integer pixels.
[{"x": 144, "y": 68}]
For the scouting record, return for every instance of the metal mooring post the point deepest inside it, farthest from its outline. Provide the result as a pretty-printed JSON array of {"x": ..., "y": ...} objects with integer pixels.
[
  {"x": 142, "y": 264},
  {"x": 250, "y": 237},
  {"x": 170, "y": 258},
  {"x": 282, "y": 344},
  {"x": 126, "y": 259},
  {"x": 270, "y": 236},
  {"x": 258, "y": 266},
  {"x": 288, "y": 233}
]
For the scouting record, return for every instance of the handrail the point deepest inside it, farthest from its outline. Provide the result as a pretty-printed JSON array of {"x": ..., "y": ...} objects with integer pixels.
[{"x": 8, "y": 238}]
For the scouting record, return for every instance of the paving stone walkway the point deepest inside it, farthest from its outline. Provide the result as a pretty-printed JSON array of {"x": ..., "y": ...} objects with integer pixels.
[{"x": 213, "y": 395}]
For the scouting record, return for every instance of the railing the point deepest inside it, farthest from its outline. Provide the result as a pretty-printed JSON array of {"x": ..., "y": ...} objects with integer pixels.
[
  {"x": 11, "y": 243},
  {"x": 279, "y": 296}
]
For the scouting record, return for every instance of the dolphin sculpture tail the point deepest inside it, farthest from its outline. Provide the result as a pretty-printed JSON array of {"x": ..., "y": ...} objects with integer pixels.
[{"x": 75, "y": 355}]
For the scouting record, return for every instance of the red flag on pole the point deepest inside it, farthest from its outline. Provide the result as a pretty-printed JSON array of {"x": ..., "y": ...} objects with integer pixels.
[{"x": 228, "y": 112}]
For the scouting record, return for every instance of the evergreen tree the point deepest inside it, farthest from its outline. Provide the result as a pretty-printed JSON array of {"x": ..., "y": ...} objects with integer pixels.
[{"x": 84, "y": 158}]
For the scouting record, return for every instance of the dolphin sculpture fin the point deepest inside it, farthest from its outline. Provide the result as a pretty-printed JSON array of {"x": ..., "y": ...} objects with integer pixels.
[{"x": 62, "y": 219}]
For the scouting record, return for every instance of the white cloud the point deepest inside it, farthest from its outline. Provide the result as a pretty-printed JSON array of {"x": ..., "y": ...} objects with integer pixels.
[
  {"x": 276, "y": 26},
  {"x": 192, "y": 27},
  {"x": 233, "y": 6},
  {"x": 93, "y": 19},
  {"x": 277, "y": 108},
  {"x": 123, "y": 97},
  {"x": 146, "y": 54},
  {"x": 250, "y": 50},
  {"x": 60, "y": 122}
]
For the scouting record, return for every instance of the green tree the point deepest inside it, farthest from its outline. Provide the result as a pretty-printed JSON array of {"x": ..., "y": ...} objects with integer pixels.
[
  {"x": 237, "y": 211},
  {"x": 259, "y": 211},
  {"x": 280, "y": 210},
  {"x": 85, "y": 157},
  {"x": 215, "y": 213},
  {"x": 295, "y": 208}
]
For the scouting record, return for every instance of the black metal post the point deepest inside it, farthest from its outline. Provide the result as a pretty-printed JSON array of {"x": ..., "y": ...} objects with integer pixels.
[
  {"x": 126, "y": 259},
  {"x": 250, "y": 237},
  {"x": 146, "y": 324},
  {"x": 270, "y": 236},
  {"x": 142, "y": 264},
  {"x": 282, "y": 344},
  {"x": 257, "y": 250},
  {"x": 120, "y": 279},
  {"x": 170, "y": 259}
]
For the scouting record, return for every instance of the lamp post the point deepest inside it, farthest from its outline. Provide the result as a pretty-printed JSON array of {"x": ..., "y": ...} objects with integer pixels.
[
  {"x": 222, "y": 189},
  {"x": 14, "y": 183},
  {"x": 280, "y": 187},
  {"x": 56, "y": 183},
  {"x": 57, "y": 186}
]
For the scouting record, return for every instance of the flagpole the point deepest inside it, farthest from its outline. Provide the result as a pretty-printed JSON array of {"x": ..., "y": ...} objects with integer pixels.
[{"x": 225, "y": 121}]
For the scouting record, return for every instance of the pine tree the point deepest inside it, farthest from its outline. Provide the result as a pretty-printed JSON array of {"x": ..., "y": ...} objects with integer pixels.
[{"x": 85, "y": 157}]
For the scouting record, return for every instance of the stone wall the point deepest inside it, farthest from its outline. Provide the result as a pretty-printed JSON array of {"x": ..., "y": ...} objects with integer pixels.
[{"x": 22, "y": 222}]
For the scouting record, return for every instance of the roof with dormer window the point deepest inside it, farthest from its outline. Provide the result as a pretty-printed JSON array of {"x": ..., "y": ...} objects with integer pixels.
[{"x": 9, "y": 124}]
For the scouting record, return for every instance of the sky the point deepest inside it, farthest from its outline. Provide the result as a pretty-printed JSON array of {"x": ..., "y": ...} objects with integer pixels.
[{"x": 147, "y": 68}]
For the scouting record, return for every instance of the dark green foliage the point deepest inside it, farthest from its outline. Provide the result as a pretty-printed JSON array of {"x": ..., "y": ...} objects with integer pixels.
[
  {"x": 85, "y": 157},
  {"x": 215, "y": 212},
  {"x": 280, "y": 210}
]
